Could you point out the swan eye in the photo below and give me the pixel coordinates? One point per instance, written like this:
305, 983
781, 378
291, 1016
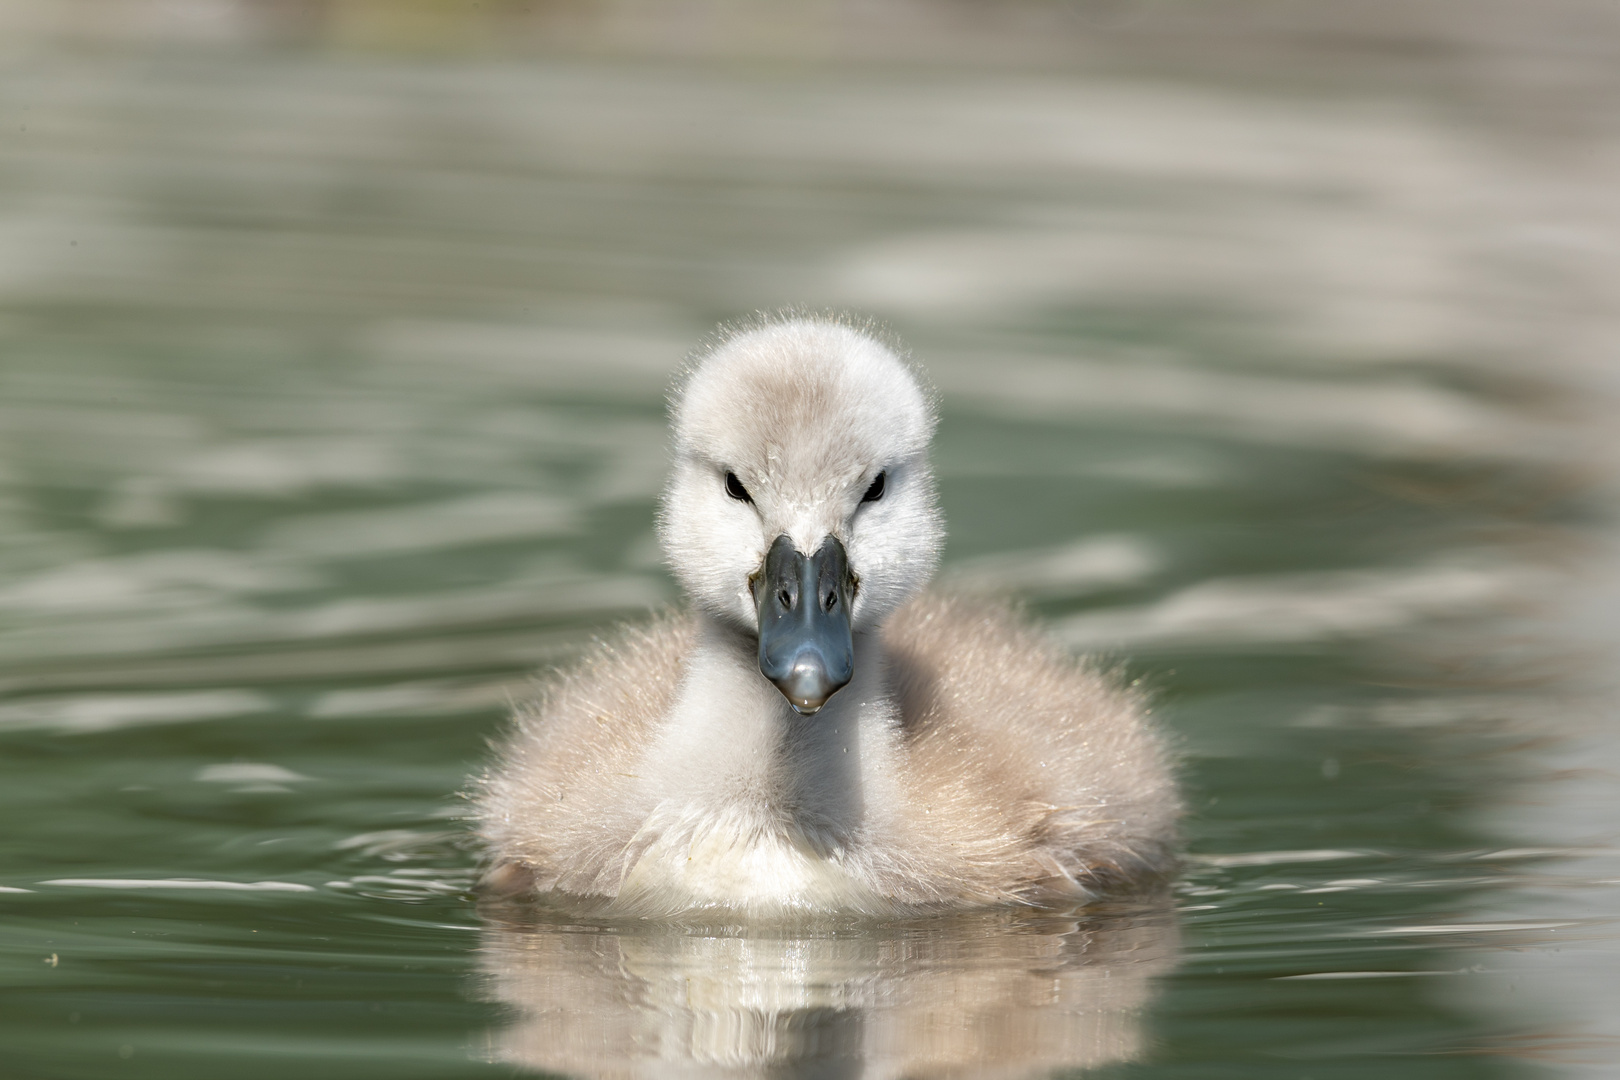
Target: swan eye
735, 489
875, 492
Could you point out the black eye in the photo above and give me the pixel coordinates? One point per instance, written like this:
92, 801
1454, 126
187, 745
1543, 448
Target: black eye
735, 489
875, 492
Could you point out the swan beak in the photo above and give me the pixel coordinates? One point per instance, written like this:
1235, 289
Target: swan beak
806, 646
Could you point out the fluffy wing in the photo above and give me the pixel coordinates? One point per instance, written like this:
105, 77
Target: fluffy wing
1056, 760
558, 807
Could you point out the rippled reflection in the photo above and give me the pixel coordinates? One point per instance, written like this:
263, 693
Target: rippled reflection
988, 995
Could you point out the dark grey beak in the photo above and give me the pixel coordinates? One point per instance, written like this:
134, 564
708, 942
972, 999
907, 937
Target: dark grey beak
805, 644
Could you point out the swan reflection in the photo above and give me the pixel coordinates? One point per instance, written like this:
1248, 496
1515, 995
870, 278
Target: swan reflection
987, 995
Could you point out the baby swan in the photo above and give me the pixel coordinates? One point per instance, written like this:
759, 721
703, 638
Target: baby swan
818, 735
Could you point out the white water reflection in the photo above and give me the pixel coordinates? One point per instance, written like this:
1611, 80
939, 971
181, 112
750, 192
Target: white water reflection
1072, 570
1298, 608
155, 581
549, 355
994, 995
477, 519
182, 884
81, 713
1377, 417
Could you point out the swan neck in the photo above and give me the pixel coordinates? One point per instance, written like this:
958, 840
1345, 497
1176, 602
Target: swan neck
731, 738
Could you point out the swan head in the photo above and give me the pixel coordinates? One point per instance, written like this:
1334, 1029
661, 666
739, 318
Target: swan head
801, 507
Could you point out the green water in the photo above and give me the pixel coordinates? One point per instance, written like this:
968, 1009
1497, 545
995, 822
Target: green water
331, 409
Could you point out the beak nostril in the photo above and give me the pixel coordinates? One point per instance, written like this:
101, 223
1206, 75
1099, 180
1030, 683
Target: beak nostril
786, 598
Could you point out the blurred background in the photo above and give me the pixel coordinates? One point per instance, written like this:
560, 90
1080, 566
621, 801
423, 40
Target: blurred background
1276, 342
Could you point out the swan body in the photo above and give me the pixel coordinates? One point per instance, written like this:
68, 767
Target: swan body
819, 734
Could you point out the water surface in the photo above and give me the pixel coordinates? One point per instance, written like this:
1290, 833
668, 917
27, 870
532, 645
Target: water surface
331, 410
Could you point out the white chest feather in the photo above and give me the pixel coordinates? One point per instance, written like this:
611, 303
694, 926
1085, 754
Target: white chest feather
754, 809
737, 860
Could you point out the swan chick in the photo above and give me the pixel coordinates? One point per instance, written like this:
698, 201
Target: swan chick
818, 733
